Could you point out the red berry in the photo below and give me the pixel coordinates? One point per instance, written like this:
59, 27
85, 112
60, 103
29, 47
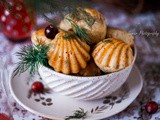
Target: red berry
4, 117
151, 107
51, 31
37, 87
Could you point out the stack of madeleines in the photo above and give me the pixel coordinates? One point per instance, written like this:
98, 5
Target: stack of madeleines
110, 49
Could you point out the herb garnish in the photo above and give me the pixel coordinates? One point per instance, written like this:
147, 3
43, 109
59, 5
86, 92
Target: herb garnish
80, 14
106, 40
31, 57
78, 114
82, 33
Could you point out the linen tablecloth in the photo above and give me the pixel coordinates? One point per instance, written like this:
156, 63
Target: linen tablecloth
146, 28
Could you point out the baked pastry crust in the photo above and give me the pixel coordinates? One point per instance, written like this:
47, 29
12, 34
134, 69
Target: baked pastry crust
68, 55
112, 55
91, 69
39, 37
121, 35
97, 31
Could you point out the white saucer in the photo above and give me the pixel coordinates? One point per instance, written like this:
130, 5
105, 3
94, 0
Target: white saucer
55, 106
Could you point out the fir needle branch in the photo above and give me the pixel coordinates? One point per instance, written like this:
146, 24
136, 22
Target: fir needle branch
78, 114
31, 57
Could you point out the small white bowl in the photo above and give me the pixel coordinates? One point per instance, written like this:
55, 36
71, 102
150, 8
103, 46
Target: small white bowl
85, 88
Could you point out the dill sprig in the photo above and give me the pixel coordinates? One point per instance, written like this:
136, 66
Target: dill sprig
80, 14
69, 36
75, 9
54, 10
107, 41
31, 57
78, 114
82, 33
49, 9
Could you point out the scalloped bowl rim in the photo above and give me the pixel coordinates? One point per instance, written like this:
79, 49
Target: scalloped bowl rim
92, 77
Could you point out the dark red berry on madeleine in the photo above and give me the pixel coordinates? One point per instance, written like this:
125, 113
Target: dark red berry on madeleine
51, 31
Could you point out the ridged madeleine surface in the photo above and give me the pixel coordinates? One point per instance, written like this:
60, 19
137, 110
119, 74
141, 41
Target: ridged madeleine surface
68, 55
39, 37
121, 35
111, 55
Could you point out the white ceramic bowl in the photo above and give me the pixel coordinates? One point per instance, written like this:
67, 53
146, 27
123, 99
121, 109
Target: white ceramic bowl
85, 88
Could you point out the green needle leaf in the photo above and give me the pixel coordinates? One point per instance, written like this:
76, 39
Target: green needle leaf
30, 58
78, 114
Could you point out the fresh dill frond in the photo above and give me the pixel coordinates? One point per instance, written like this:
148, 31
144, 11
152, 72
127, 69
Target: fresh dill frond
78, 114
108, 41
80, 14
49, 9
82, 33
69, 36
31, 57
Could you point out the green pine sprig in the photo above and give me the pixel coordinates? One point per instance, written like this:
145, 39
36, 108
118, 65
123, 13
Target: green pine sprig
31, 57
78, 114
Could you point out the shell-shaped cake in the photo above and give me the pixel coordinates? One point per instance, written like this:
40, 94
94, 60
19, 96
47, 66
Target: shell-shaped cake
91, 69
68, 55
120, 35
111, 55
39, 37
89, 19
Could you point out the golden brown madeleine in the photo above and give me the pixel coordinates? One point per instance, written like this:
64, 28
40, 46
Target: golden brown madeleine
121, 35
91, 69
111, 55
96, 27
39, 37
68, 55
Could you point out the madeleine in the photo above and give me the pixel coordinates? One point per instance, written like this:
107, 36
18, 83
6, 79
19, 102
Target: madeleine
39, 37
91, 20
91, 69
112, 55
68, 55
